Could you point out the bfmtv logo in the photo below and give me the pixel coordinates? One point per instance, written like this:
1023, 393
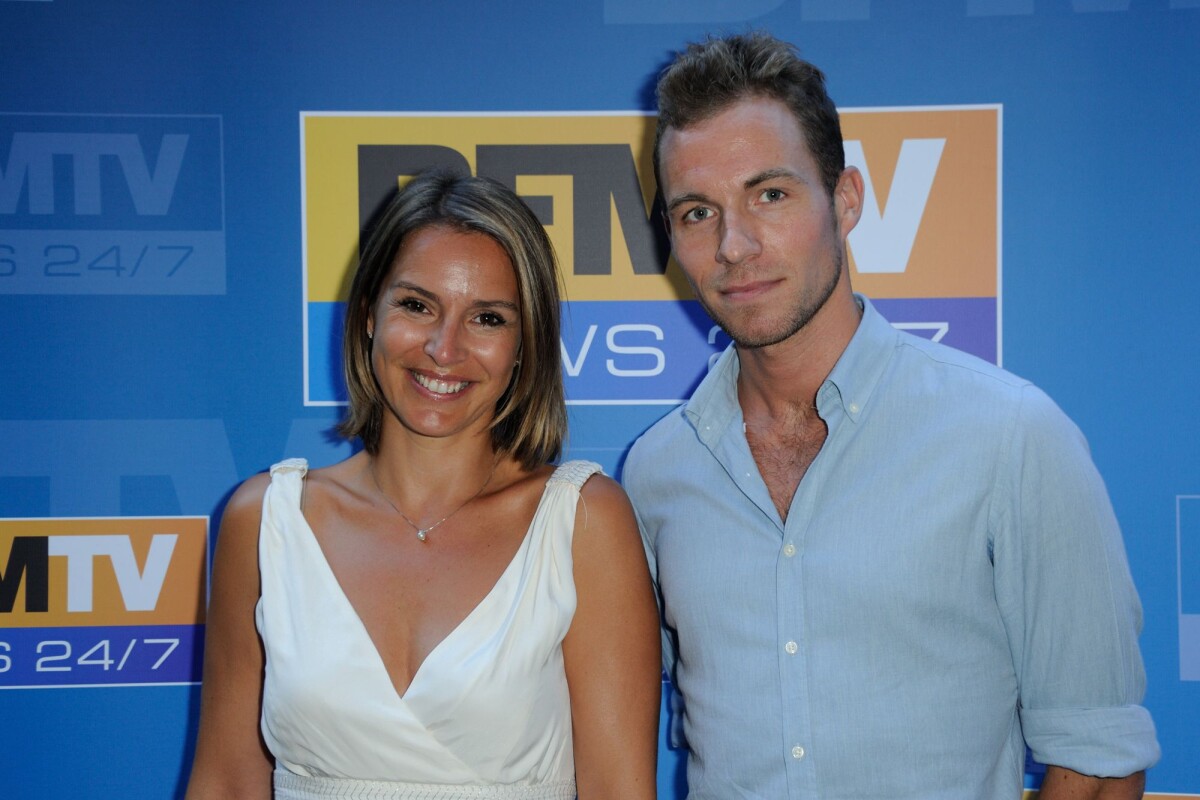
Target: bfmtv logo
927, 244
102, 601
111, 204
1187, 533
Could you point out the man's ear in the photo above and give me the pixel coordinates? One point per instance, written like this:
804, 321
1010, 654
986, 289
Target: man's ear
848, 199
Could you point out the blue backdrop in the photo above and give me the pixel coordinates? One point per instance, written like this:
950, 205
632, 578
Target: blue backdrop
155, 233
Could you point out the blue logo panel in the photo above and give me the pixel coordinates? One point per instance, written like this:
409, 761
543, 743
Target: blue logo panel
650, 352
644, 352
656, 352
114, 655
965, 323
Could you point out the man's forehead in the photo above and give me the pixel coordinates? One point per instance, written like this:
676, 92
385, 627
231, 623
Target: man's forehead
764, 115
745, 140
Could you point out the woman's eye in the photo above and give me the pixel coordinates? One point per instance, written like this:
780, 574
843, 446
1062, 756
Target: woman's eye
491, 319
411, 304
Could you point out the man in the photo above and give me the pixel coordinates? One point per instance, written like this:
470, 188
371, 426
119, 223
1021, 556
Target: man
885, 566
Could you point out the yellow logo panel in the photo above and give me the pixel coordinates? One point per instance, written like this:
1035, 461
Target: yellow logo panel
589, 177
931, 223
124, 571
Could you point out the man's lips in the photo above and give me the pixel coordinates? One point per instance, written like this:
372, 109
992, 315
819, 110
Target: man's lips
749, 290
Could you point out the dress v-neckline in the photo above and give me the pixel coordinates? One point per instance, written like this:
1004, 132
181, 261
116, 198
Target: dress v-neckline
340, 592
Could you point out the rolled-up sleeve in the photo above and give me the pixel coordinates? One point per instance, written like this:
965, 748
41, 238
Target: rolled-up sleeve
1067, 599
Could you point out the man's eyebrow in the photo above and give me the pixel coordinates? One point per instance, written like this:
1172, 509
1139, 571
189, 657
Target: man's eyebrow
691, 197
770, 175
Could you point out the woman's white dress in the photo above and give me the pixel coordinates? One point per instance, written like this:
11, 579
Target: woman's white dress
487, 715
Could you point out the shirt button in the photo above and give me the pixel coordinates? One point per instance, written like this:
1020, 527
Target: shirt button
797, 752
854, 408
791, 648
789, 549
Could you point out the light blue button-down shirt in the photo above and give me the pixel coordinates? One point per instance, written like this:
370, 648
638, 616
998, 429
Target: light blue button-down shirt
950, 584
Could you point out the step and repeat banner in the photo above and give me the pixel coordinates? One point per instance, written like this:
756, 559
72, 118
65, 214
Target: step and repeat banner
182, 188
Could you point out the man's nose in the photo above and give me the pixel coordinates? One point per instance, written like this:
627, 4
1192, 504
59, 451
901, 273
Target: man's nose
739, 240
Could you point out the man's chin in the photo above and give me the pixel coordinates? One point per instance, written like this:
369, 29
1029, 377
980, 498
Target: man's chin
756, 336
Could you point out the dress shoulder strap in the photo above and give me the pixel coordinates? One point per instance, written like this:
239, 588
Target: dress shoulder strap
575, 473
286, 490
290, 465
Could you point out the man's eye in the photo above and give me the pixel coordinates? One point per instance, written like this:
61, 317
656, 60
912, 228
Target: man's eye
698, 214
772, 195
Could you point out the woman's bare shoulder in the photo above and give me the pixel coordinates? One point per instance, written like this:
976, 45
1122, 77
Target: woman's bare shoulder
603, 496
245, 504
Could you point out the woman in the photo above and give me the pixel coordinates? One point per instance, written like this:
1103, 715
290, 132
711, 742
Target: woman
443, 614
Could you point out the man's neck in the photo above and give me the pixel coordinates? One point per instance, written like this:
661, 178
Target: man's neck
775, 380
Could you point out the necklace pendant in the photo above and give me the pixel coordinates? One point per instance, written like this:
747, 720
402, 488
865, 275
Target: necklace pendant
421, 533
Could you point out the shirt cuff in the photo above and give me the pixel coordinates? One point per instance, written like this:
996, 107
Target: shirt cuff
1101, 742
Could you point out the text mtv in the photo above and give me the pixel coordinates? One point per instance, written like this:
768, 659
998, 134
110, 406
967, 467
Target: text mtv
29, 558
31, 165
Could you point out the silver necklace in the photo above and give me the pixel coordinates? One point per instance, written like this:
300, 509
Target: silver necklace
422, 533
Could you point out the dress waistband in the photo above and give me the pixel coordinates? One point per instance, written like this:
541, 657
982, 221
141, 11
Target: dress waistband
290, 786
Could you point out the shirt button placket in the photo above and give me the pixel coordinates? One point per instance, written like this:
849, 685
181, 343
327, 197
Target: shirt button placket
792, 670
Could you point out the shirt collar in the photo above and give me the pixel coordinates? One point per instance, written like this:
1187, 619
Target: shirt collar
856, 373
714, 404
